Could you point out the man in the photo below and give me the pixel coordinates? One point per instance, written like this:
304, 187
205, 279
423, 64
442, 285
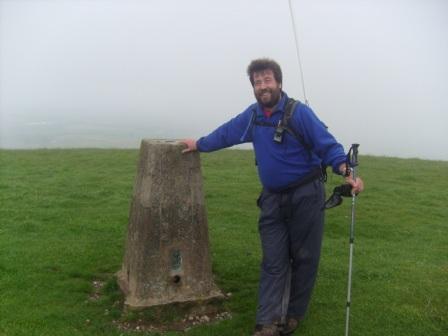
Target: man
292, 201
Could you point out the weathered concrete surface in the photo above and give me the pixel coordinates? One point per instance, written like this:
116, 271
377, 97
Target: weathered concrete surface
167, 255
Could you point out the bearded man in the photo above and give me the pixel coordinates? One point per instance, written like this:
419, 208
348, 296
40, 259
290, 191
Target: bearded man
292, 200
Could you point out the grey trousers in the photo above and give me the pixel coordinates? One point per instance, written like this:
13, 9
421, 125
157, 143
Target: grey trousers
291, 228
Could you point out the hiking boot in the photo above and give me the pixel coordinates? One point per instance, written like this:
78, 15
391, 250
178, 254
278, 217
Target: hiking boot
290, 326
266, 330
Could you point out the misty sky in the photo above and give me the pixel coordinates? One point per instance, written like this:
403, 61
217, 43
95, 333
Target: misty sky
107, 73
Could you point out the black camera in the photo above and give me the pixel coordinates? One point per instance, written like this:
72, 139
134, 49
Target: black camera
278, 133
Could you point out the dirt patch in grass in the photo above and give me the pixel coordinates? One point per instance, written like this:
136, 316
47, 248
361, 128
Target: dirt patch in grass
97, 286
183, 324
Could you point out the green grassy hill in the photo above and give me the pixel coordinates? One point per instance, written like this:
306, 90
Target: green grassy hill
63, 221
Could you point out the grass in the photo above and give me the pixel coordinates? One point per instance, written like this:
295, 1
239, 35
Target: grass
63, 221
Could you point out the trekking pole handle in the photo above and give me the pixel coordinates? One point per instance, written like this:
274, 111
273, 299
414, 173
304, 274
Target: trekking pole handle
353, 155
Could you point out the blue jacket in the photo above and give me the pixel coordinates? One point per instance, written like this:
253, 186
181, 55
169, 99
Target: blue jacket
279, 165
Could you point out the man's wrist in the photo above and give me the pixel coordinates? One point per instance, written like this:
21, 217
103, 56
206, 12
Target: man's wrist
345, 171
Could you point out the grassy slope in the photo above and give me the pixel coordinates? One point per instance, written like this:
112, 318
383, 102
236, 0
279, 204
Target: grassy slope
63, 219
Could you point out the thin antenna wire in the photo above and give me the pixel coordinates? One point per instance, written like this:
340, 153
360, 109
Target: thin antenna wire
298, 52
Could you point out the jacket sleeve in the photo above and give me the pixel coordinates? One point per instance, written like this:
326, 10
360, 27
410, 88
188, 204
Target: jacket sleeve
316, 134
228, 134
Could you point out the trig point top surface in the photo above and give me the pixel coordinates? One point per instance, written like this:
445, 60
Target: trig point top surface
162, 142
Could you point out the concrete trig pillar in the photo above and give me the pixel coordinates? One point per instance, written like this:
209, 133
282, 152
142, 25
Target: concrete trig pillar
167, 256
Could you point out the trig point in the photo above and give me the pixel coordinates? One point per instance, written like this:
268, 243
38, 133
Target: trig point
167, 258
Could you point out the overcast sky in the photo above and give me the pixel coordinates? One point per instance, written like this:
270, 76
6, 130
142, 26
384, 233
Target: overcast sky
107, 73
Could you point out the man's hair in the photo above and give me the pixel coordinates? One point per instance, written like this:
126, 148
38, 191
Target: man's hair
263, 64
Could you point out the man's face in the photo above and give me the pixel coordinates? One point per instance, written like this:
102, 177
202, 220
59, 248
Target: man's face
266, 89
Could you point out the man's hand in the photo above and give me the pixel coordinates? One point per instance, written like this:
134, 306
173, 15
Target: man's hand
357, 184
191, 145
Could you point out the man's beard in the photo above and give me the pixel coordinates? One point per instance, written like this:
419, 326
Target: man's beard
275, 98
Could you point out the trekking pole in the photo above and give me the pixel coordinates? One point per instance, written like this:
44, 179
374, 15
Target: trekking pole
352, 162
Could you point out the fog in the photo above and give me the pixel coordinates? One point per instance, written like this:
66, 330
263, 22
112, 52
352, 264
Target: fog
107, 73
